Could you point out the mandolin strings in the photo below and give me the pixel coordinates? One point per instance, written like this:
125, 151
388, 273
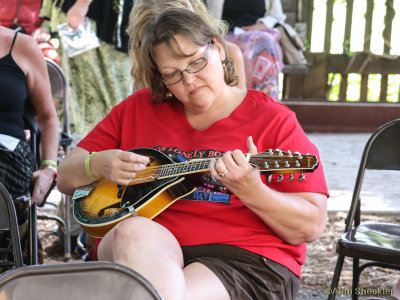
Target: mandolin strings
193, 166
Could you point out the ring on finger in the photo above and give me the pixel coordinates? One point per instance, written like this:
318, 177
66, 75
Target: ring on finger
223, 174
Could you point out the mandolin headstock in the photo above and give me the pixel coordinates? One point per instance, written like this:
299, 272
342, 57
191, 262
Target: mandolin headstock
280, 162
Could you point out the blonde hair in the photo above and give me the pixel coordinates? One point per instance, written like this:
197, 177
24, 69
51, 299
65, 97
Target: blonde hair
144, 12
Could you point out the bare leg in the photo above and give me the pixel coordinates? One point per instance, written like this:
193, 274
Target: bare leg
151, 250
203, 284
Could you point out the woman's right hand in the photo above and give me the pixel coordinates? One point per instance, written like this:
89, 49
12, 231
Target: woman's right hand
77, 13
117, 166
41, 34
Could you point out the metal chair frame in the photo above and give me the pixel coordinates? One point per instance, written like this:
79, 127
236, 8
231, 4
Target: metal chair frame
8, 222
359, 239
60, 90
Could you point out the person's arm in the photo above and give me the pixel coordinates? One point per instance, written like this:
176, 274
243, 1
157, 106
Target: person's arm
295, 217
236, 54
77, 169
42, 33
77, 13
274, 13
30, 59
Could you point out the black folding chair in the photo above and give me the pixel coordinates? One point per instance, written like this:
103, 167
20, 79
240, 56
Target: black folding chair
59, 91
10, 252
79, 281
60, 94
376, 242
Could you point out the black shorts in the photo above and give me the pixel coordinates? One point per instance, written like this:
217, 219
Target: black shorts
244, 274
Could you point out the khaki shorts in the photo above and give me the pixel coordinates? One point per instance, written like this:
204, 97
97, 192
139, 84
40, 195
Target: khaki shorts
244, 274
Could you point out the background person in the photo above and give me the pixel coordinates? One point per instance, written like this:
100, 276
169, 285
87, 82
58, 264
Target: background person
24, 13
252, 245
23, 16
257, 39
98, 78
23, 75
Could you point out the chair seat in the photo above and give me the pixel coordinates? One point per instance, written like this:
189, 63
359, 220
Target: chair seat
372, 241
78, 281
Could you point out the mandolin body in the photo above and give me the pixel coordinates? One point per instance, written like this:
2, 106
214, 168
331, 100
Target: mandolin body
108, 203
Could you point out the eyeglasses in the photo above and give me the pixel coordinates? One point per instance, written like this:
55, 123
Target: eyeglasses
194, 67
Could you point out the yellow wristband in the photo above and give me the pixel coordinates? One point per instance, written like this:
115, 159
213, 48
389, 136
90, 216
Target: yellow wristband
87, 166
48, 162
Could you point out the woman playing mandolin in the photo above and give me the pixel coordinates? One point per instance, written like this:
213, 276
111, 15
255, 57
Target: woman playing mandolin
240, 234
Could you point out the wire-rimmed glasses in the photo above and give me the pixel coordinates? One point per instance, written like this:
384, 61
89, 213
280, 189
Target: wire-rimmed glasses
194, 67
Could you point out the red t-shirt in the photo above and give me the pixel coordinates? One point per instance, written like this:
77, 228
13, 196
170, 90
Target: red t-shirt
28, 14
136, 122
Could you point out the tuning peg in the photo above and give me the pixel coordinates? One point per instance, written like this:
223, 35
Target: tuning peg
290, 177
270, 152
276, 164
280, 153
280, 178
266, 165
298, 155
270, 178
287, 164
302, 176
297, 164
289, 153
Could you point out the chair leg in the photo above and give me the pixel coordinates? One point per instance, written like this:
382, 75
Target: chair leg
336, 277
67, 236
33, 236
356, 278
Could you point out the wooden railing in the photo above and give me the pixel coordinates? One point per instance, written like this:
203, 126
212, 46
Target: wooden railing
315, 85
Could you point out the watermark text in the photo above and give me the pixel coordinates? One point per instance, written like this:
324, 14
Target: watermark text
359, 291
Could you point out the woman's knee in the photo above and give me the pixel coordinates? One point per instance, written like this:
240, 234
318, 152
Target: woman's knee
139, 234
141, 229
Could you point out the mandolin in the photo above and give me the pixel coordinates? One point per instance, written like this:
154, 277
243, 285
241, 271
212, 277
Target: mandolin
99, 206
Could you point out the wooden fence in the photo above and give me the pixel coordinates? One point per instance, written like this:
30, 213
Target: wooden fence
364, 62
305, 92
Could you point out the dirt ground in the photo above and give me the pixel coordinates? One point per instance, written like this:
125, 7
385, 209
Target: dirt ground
321, 259
316, 273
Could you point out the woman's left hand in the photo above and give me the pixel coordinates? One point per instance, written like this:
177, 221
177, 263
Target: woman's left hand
256, 26
77, 13
42, 180
234, 170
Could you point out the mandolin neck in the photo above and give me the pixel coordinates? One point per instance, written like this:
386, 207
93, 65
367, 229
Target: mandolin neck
270, 161
183, 168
